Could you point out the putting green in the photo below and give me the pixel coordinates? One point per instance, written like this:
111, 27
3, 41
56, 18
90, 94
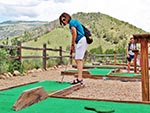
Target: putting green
9, 97
102, 66
72, 71
60, 105
97, 71
125, 74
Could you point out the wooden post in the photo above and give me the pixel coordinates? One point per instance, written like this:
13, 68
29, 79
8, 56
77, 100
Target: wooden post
115, 56
71, 58
90, 57
19, 53
44, 56
143, 39
60, 54
94, 57
135, 57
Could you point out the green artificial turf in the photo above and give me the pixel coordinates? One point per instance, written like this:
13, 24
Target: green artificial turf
125, 74
9, 97
60, 105
97, 71
73, 71
99, 109
101, 66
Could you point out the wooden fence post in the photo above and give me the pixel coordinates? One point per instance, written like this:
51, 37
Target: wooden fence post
71, 58
90, 55
19, 54
44, 56
144, 39
60, 54
115, 57
94, 57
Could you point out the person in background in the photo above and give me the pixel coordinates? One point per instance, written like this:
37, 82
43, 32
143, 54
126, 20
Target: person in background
78, 42
130, 55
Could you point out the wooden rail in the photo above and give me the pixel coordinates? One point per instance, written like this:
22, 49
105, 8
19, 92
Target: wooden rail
114, 57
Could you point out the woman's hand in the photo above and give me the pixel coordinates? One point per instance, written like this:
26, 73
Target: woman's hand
72, 49
128, 56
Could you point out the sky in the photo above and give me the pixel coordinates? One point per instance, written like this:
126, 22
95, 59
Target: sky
136, 12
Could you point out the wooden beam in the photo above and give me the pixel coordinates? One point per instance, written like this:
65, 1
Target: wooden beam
29, 97
67, 91
86, 74
143, 39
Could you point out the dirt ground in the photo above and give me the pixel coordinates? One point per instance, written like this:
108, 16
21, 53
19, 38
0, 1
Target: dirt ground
94, 88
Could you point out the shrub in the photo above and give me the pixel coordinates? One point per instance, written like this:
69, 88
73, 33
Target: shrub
31, 64
3, 61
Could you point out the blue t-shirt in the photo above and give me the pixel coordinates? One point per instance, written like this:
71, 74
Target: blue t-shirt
79, 28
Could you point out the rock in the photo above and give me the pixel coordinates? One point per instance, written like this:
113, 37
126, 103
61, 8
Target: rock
2, 77
39, 70
16, 73
6, 75
24, 74
34, 70
96, 63
10, 75
55, 67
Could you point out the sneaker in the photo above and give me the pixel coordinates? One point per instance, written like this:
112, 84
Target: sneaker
76, 81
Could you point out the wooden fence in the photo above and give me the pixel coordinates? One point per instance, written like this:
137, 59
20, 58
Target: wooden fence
44, 56
107, 58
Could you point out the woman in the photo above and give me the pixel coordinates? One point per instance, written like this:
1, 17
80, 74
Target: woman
130, 54
79, 40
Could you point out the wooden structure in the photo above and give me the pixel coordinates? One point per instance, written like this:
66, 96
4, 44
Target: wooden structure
67, 91
34, 95
30, 97
144, 39
86, 74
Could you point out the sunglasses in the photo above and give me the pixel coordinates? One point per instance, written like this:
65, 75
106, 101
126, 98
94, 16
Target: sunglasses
63, 20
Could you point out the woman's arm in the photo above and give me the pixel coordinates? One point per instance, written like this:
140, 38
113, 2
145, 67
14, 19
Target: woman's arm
74, 35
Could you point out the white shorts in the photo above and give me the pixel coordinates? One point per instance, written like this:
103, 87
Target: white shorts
80, 49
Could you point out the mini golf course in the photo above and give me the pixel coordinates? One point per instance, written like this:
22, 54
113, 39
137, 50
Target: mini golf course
110, 73
126, 74
65, 105
93, 71
9, 97
100, 72
89, 66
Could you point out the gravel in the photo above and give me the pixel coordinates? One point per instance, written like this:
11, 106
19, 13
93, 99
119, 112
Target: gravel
94, 88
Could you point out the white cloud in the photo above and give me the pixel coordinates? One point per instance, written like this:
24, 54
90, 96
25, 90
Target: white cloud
135, 12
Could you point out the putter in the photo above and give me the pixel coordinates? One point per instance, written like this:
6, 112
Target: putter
65, 69
63, 74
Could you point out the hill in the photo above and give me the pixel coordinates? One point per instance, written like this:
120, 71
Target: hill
108, 33
16, 28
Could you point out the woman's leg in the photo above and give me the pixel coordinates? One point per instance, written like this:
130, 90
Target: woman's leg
80, 69
79, 55
128, 67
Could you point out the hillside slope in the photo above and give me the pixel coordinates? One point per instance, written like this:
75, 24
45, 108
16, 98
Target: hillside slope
107, 32
16, 28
